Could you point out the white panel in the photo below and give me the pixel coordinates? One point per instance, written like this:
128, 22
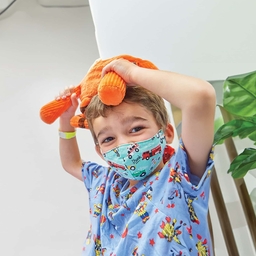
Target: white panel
63, 3
208, 39
4, 4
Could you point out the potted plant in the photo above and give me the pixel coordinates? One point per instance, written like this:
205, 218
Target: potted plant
239, 116
238, 110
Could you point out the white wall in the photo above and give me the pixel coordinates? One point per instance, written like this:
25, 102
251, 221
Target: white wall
43, 210
208, 39
42, 50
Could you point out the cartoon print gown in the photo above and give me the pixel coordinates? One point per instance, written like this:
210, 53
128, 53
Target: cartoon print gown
164, 214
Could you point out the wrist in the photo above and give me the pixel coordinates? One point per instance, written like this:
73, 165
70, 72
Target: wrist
67, 135
134, 74
65, 126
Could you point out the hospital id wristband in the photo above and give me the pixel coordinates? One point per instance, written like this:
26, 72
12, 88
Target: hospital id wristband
67, 135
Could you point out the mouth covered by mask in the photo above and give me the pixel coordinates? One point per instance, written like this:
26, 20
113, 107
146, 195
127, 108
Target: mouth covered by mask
137, 160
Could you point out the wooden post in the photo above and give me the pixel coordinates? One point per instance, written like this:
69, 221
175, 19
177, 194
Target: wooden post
243, 193
223, 216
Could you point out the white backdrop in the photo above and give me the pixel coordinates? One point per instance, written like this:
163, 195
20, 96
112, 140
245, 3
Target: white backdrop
208, 39
43, 210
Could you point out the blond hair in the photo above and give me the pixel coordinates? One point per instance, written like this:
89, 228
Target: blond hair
134, 94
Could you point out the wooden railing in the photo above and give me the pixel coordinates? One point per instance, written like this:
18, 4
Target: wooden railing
219, 202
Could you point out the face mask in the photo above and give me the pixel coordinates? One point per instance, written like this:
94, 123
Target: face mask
137, 160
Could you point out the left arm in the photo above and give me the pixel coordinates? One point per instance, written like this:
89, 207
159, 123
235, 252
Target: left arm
195, 97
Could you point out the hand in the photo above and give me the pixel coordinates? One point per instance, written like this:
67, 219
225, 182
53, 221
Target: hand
123, 68
69, 92
65, 93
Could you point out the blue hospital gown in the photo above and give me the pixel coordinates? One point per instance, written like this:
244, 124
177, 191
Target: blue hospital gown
164, 214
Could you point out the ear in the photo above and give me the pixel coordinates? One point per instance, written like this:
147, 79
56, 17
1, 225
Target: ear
97, 149
169, 133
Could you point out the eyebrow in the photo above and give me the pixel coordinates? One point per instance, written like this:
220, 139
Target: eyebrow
132, 119
102, 131
126, 121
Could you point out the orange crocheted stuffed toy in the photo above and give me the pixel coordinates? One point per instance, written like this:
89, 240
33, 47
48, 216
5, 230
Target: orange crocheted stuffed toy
110, 89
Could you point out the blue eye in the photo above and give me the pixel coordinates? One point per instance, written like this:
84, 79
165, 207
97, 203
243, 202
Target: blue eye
136, 129
108, 139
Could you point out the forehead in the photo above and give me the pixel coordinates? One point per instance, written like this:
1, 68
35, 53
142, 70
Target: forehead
128, 108
124, 113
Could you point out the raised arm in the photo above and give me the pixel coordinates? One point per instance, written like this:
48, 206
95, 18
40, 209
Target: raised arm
195, 97
68, 148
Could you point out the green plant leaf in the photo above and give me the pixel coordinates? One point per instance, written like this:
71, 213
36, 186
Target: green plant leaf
243, 163
230, 116
233, 128
239, 94
218, 123
239, 115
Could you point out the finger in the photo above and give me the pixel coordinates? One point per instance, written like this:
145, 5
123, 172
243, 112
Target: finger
74, 100
71, 88
57, 97
109, 67
60, 95
65, 93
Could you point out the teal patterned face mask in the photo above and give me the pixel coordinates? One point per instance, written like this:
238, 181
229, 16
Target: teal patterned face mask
137, 160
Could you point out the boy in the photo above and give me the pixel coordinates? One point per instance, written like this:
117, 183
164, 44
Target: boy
142, 205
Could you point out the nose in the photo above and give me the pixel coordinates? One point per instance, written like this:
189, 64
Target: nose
123, 139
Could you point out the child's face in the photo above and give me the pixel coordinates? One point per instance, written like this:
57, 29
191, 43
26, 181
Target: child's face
125, 123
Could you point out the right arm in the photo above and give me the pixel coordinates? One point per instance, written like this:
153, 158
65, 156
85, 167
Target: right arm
68, 148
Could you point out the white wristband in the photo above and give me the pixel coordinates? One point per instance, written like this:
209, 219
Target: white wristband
67, 135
